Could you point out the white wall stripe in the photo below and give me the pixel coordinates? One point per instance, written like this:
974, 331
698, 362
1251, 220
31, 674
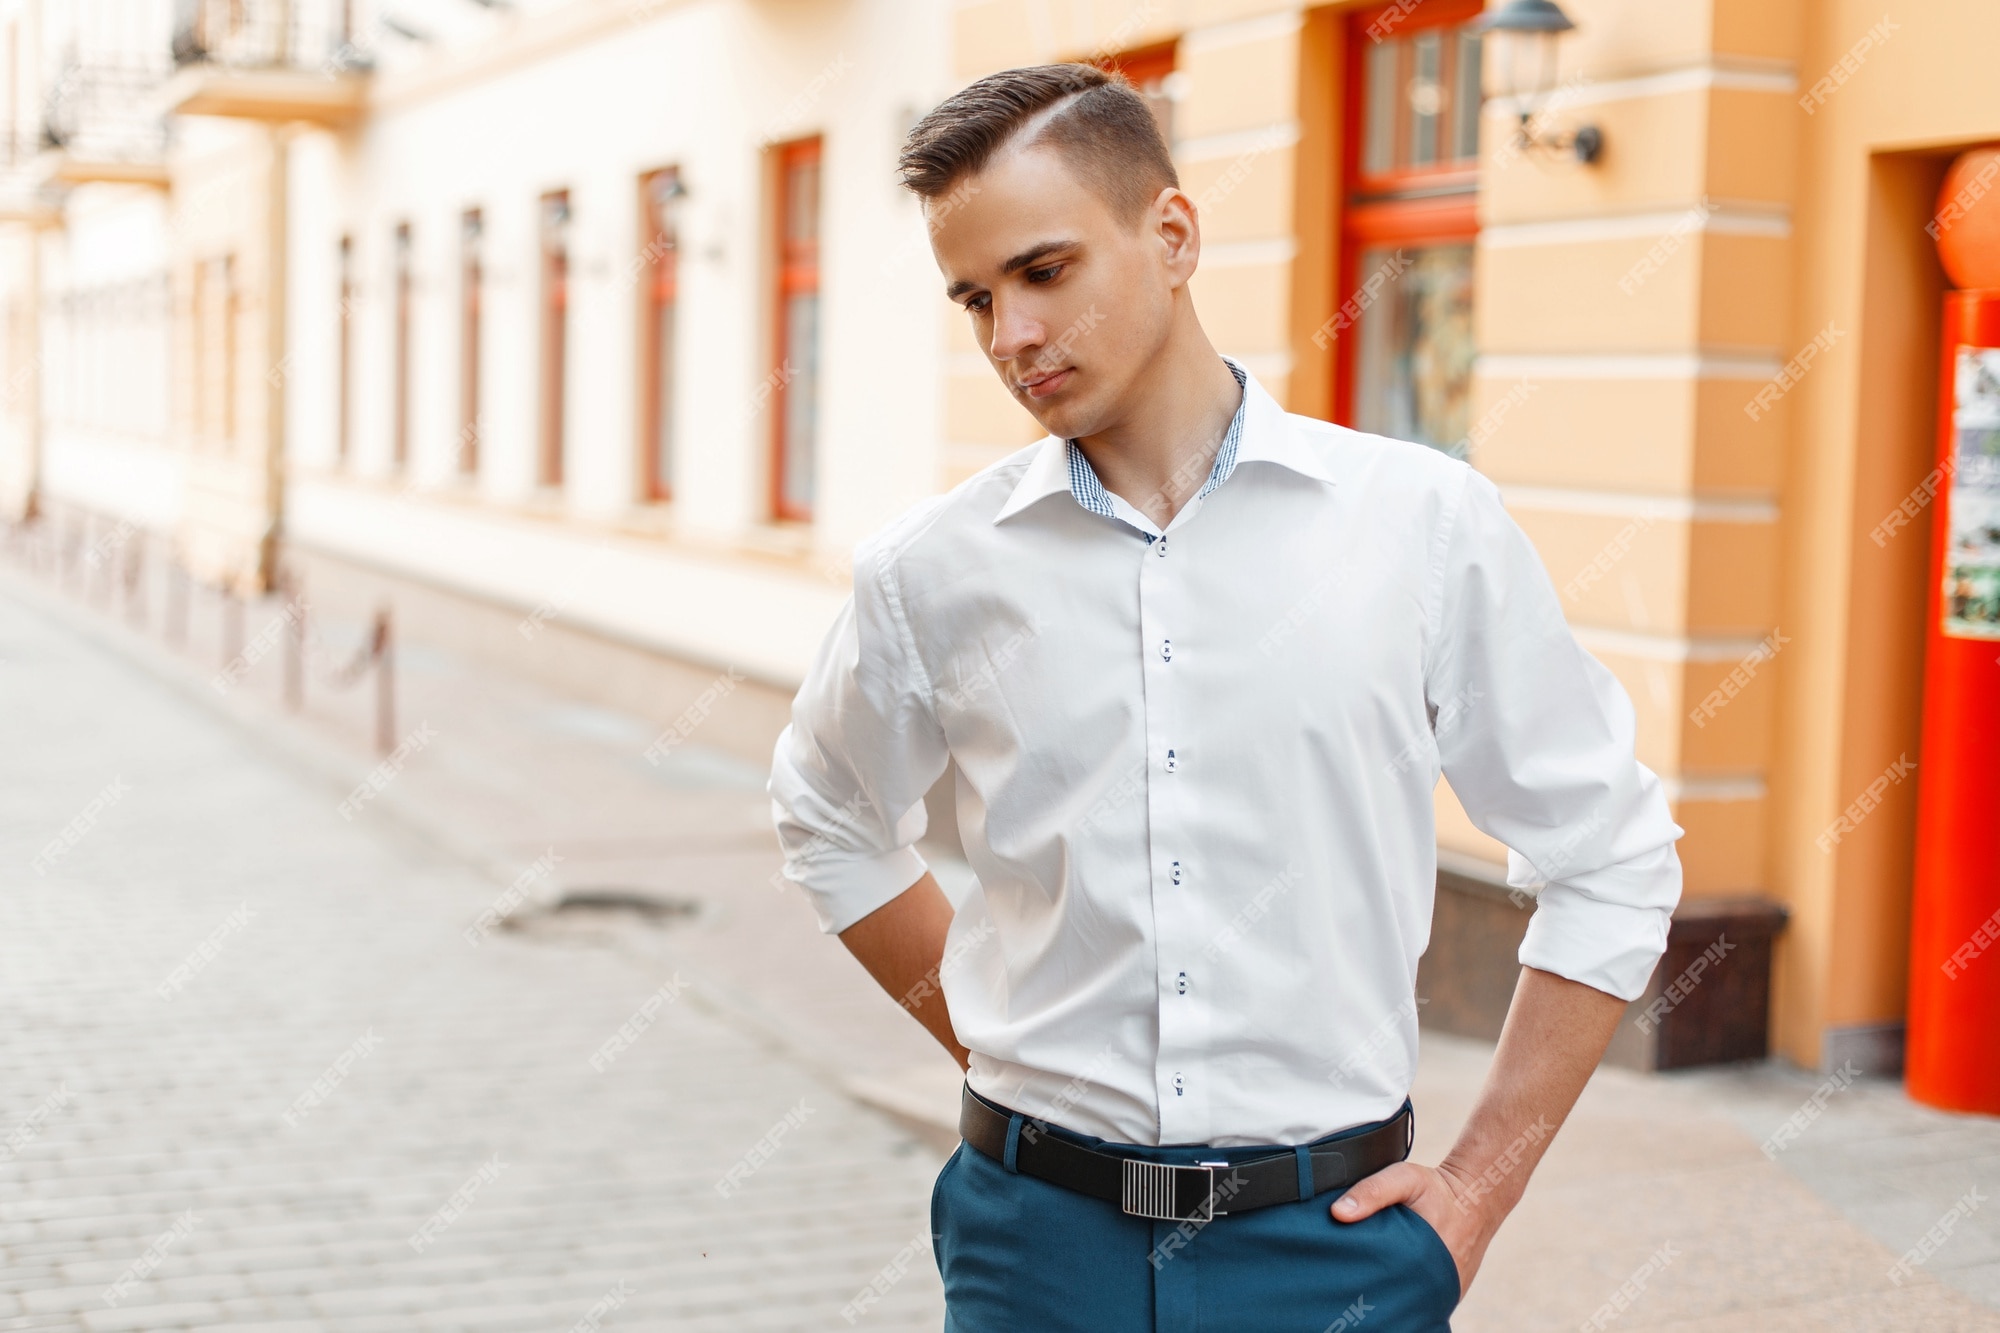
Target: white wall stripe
1262, 139
1665, 647
1244, 254
1627, 504
1750, 365
1689, 78
1716, 787
1241, 32
1775, 224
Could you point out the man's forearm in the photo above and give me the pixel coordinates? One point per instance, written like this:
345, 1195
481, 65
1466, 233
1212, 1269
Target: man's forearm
901, 943
1555, 1034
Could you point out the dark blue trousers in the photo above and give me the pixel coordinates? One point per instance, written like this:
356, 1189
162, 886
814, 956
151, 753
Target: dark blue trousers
1020, 1255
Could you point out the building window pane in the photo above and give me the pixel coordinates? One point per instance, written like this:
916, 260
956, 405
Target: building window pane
1378, 151
400, 428
554, 336
1465, 98
801, 409
1426, 99
344, 375
659, 193
471, 295
796, 429
1414, 371
215, 314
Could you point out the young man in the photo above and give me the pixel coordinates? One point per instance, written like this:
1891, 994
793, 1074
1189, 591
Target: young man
1199, 664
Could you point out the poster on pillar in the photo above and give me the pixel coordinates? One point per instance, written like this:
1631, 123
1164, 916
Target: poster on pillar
1972, 506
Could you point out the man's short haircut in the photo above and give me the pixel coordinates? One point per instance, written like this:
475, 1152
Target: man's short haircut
1096, 120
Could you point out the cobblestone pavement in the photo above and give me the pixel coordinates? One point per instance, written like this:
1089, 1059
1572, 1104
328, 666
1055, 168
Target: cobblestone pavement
253, 1074
1655, 1208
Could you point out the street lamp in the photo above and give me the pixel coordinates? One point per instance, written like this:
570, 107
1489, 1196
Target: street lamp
668, 196
1524, 36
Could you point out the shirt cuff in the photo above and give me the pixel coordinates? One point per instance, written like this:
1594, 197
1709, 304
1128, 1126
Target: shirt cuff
1612, 947
843, 887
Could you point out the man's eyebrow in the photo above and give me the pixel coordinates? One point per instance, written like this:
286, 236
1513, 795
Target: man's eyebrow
1034, 252
1038, 251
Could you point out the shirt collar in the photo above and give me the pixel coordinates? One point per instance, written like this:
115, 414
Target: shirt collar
1259, 432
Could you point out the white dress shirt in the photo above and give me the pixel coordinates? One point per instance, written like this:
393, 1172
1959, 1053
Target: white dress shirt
1195, 773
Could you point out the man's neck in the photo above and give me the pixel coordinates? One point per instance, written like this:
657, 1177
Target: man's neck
1158, 455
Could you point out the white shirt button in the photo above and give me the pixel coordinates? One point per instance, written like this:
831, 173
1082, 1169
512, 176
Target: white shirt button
1166, 650
1180, 984
1172, 763
1177, 872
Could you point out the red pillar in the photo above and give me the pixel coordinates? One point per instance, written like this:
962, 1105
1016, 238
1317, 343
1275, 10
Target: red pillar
1953, 1051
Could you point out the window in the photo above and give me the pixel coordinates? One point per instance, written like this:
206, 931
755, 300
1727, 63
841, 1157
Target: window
555, 336
344, 375
400, 428
1403, 330
215, 309
795, 381
471, 290
658, 269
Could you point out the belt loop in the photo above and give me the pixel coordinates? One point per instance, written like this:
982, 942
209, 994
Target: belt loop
1010, 1159
1305, 1157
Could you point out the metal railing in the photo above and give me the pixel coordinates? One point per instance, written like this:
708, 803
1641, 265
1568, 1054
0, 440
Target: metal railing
104, 112
115, 566
315, 35
104, 59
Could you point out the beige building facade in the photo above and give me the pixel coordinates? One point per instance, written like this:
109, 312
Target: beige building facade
1701, 366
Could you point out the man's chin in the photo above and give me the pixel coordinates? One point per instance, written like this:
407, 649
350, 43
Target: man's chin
1065, 420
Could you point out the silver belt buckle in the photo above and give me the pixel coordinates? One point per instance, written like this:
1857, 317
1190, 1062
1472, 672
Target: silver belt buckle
1152, 1189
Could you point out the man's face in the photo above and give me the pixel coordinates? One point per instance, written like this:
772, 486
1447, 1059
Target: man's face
1069, 301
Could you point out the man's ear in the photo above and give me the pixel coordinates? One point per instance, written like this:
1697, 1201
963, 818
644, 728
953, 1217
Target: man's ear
1172, 218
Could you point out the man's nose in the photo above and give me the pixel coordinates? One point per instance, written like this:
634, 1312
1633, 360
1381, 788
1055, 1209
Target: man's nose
1016, 335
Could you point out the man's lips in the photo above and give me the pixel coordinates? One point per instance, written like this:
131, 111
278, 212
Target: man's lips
1041, 386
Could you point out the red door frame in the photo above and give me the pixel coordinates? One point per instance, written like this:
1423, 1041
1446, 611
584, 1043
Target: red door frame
1371, 211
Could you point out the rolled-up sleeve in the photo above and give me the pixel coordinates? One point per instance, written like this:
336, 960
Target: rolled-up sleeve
1536, 737
850, 772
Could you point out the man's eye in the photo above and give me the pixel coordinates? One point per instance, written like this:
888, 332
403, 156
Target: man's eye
1044, 274
977, 304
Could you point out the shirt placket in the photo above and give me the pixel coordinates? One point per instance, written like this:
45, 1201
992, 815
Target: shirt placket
1180, 1082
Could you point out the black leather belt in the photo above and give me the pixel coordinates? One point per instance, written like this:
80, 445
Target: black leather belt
1167, 1192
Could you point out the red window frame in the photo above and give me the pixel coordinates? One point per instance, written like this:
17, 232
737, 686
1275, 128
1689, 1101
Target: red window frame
658, 297
1406, 205
797, 275
554, 369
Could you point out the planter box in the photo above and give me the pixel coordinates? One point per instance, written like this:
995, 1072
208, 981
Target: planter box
1709, 1001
